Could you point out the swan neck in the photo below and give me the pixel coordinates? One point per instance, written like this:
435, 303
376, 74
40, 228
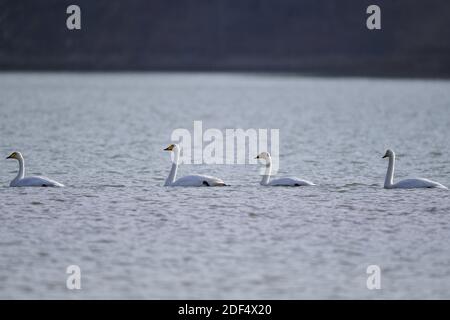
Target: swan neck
21, 173
389, 181
173, 171
267, 172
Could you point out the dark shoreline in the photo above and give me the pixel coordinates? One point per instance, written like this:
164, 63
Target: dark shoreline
280, 73
306, 37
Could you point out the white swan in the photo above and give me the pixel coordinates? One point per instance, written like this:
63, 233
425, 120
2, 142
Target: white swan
188, 181
407, 183
293, 182
34, 181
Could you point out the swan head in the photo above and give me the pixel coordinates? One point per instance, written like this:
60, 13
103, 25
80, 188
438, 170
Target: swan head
15, 155
172, 147
263, 155
389, 153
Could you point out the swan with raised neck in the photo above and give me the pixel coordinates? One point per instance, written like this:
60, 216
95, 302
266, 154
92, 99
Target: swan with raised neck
33, 181
266, 177
191, 180
407, 183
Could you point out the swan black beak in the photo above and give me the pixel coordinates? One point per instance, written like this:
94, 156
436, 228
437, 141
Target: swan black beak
385, 156
257, 157
9, 157
169, 148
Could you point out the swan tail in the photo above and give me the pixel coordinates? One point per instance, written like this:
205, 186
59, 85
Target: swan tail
216, 184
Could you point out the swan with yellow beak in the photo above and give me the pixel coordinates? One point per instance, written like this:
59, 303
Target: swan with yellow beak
285, 182
191, 180
33, 181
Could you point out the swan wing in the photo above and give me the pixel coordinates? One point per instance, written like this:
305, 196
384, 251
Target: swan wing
199, 181
294, 182
36, 181
418, 183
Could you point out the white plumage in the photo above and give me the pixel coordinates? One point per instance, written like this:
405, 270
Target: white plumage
288, 182
191, 180
294, 182
33, 181
198, 181
407, 183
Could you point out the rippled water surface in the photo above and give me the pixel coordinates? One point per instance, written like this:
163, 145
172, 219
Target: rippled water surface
102, 135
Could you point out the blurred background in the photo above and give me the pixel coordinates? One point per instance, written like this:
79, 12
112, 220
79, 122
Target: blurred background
324, 37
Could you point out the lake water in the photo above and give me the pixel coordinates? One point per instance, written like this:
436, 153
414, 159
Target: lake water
102, 135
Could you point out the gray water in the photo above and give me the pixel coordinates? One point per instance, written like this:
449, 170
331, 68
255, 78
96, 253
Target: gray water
102, 135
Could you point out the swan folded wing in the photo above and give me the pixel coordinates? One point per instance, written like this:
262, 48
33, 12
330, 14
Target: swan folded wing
417, 183
36, 181
199, 181
294, 182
